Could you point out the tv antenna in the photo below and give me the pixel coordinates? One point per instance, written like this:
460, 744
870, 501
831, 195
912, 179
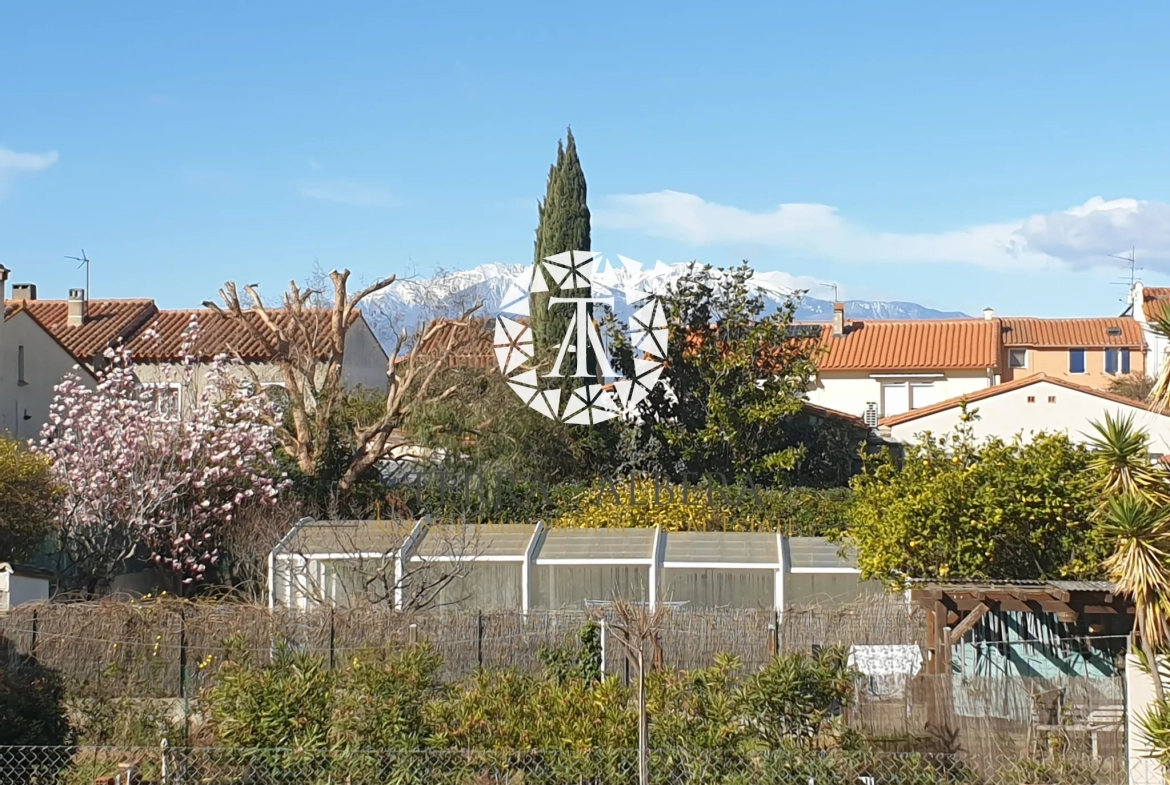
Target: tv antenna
1131, 263
832, 286
84, 262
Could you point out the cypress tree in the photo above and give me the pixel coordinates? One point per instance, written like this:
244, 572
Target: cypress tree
563, 226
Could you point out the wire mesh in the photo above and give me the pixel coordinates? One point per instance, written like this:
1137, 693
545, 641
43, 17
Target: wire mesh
355, 766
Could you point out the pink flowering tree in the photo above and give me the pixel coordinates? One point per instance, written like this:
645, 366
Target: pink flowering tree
143, 479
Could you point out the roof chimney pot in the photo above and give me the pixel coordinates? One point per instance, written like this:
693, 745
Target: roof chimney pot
24, 291
77, 307
988, 313
838, 319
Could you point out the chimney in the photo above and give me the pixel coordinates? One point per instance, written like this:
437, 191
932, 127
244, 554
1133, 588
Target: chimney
3, 284
76, 307
24, 291
988, 313
838, 319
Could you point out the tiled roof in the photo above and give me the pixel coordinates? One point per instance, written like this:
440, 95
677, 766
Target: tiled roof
825, 412
472, 343
220, 334
1155, 300
999, 389
926, 345
107, 322
1072, 333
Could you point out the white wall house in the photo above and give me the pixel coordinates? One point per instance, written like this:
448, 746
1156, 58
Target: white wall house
1145, 303
46, 339
1030, 405
878, 369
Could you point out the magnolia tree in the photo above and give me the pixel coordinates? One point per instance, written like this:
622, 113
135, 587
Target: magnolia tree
145, 479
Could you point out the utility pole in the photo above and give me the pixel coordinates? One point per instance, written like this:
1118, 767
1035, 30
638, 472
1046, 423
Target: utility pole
84, 260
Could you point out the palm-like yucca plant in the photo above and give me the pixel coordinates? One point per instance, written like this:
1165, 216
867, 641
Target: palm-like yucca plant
1140, 566
1121, 456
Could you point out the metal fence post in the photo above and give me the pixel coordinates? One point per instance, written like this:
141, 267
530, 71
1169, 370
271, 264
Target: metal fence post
479, 638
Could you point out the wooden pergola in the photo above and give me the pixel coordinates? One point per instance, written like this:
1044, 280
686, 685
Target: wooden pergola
953, 610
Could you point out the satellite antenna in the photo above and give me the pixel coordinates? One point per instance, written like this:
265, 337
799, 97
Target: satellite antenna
84, 260
832, 286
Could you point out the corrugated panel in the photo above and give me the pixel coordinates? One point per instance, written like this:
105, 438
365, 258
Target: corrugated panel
597, 544
722, 547
471, 541
562, 587
1072, 333
349, 537
710, 588
812, 552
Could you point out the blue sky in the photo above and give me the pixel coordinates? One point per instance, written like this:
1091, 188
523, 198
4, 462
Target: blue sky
988, 155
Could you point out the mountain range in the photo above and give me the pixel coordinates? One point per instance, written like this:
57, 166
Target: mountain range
410, 303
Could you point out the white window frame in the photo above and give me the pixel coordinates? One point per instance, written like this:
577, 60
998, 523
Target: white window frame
1084, 358
1024, 365
178, 388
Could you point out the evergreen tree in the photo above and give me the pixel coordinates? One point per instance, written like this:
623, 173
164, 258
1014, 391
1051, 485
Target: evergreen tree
564, 226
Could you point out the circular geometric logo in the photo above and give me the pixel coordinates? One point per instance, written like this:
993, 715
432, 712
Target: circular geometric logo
605, 394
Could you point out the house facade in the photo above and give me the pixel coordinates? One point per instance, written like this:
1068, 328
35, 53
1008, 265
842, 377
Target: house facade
43, 340
1029, 405
1088, 352
46, 339
882, 369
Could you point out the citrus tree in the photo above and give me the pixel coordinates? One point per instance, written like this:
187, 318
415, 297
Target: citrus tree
959, 508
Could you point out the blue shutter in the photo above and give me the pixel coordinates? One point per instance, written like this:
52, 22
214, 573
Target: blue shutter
1111, 361
1076, 360
1125, 361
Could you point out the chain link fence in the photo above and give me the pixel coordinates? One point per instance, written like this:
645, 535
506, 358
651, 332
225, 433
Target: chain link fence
215, 766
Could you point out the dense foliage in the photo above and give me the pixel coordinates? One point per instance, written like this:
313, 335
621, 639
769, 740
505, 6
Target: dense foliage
734, 384
564, 225
29, 495
958, 508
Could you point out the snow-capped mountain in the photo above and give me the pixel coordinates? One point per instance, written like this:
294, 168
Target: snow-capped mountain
408, 304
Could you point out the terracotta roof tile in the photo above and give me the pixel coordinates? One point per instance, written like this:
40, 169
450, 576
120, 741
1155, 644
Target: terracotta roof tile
219, 334
1155, 300
1072, 333
472, 344
998, 389
107, 322
926, 345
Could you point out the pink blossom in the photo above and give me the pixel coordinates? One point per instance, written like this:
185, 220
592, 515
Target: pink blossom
139, 481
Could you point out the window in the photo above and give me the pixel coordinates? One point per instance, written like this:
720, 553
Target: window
1052, 399
20, 366
1076, 360
922, 394
1017, 358
1117, 361
1031, 399
166, 399
895, 399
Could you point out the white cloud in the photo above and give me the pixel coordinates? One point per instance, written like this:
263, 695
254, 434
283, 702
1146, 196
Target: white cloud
349, 193
13, 163
1080, 237
314, 166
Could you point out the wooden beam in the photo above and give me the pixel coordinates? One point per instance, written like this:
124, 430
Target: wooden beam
969, 623
1107, 610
